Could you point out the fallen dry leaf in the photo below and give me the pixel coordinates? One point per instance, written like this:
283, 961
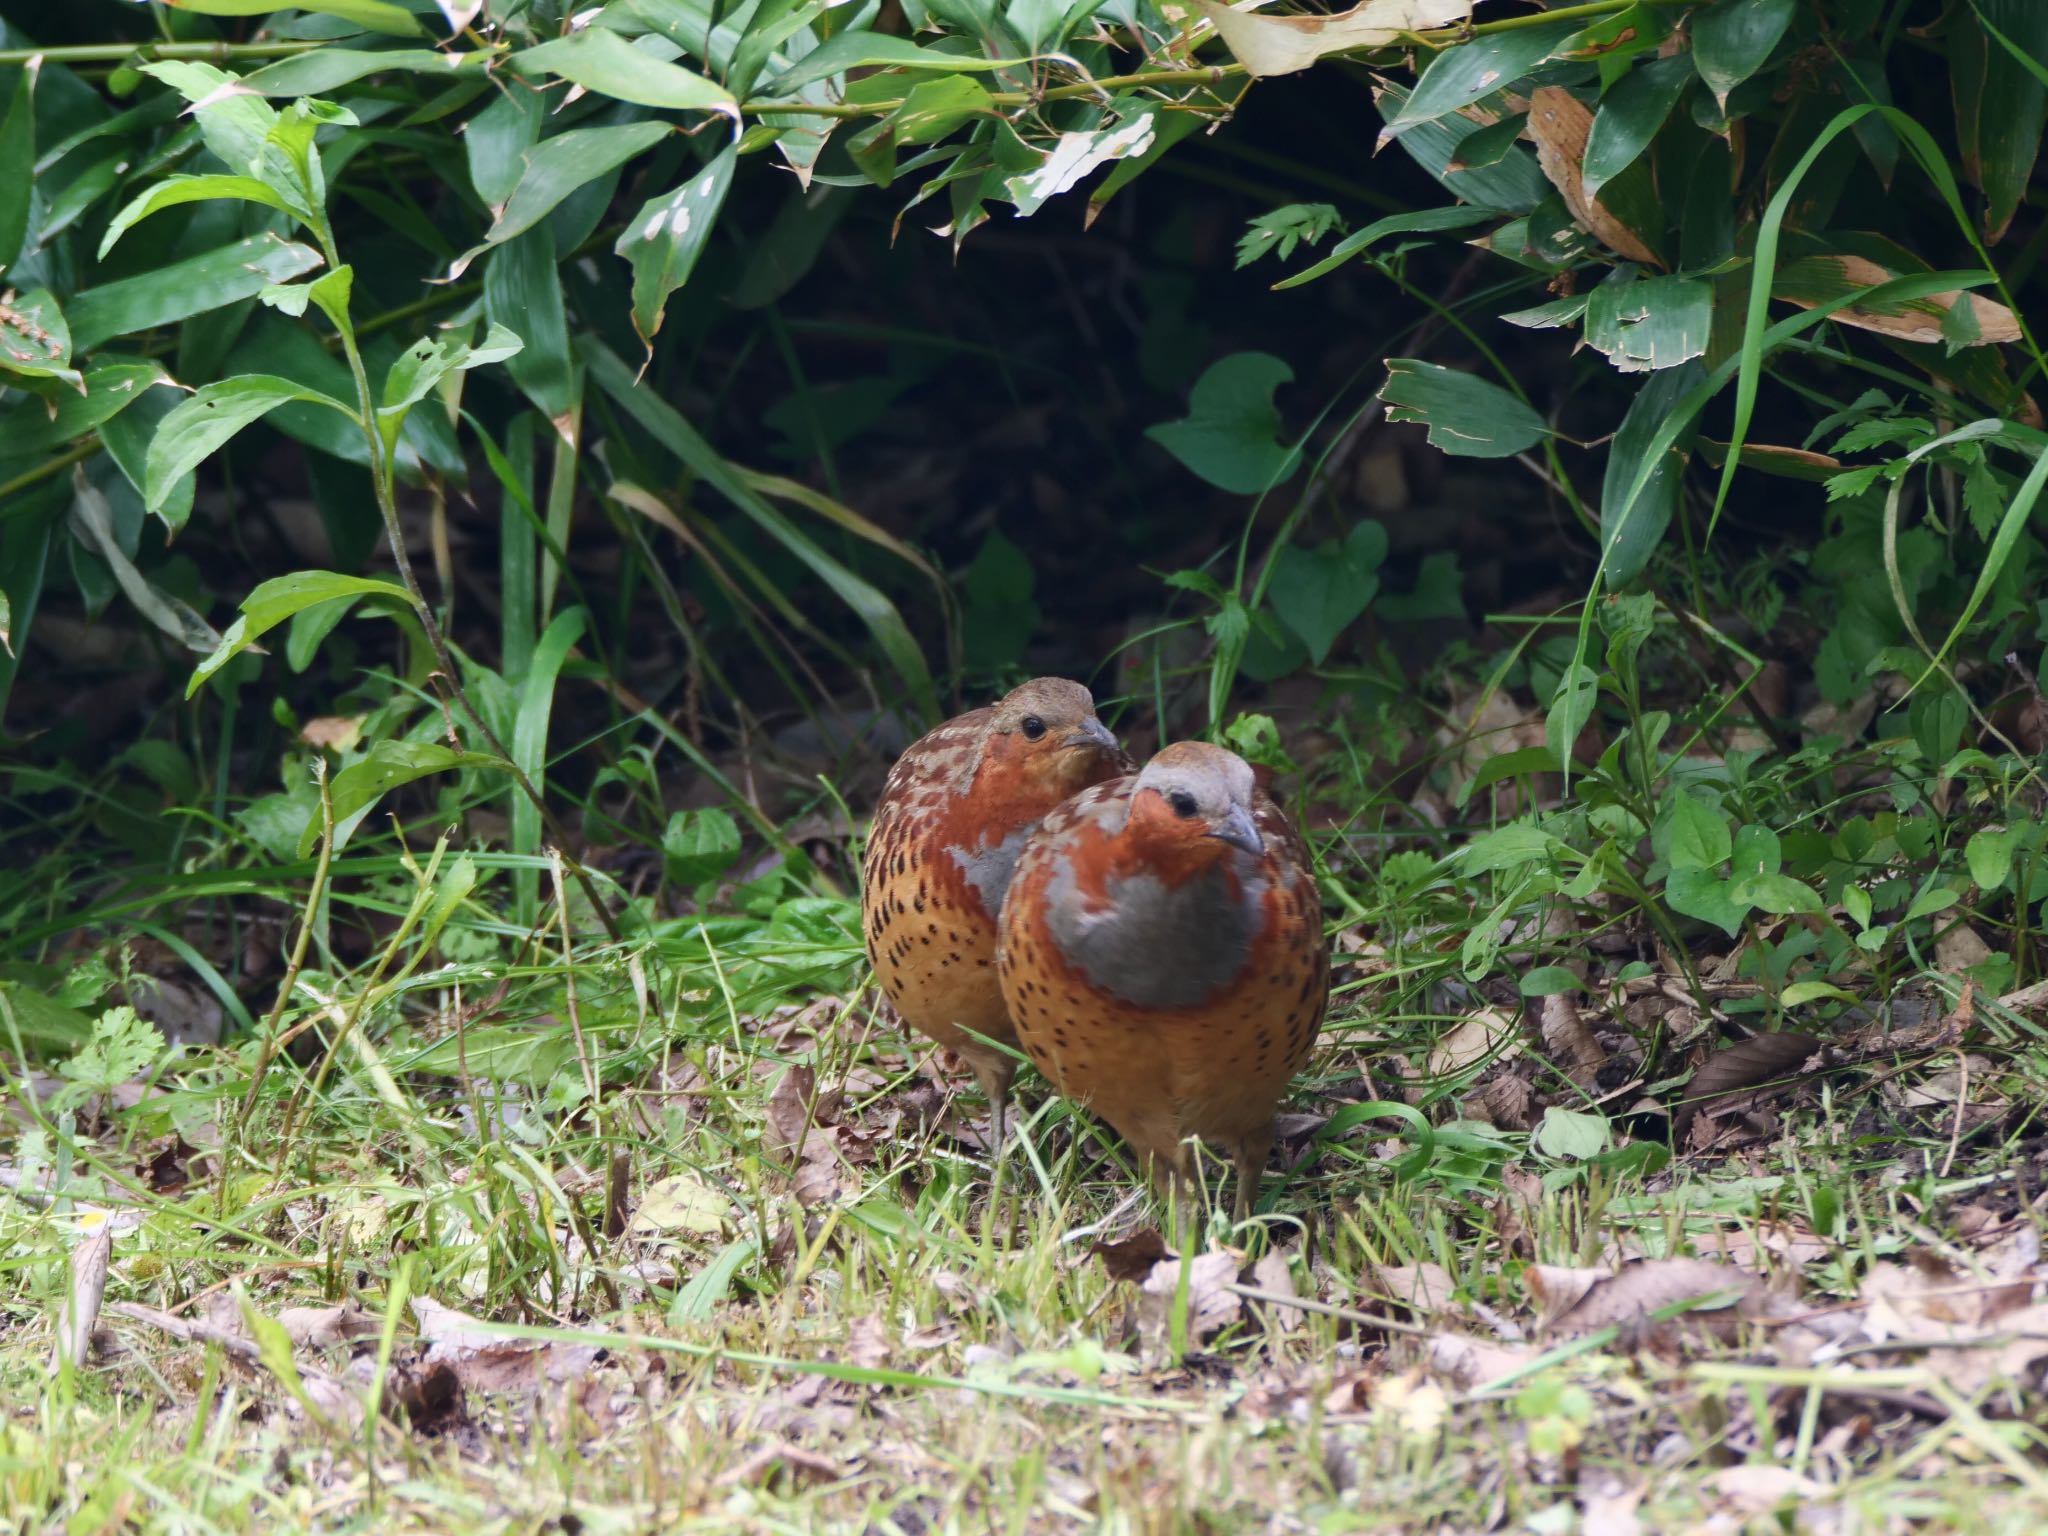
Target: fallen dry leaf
89, 1261
1280, 45
1425, 1287
1576, 1301
487, 1359
681, 1203
1559, 123
1212, 1304
325, 1327
1132, 1258
1762, 1059
1960, 948
1470, 1040
1468, 1362
1570, 1038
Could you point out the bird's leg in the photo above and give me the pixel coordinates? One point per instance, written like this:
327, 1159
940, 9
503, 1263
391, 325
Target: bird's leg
1250, 1154
995, 1075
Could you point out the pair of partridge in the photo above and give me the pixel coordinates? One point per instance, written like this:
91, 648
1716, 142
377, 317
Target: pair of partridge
1152, 939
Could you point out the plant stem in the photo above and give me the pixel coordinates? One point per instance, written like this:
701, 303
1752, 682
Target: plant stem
84, 448
382, 482
120, 53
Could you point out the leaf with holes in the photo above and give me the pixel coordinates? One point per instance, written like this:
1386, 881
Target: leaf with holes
1466, 416
1230, 435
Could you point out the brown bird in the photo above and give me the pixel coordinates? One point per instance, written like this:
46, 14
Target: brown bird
1163, 959
954, 814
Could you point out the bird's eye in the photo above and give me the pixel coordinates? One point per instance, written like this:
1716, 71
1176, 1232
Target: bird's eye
1033, 727
1182, 802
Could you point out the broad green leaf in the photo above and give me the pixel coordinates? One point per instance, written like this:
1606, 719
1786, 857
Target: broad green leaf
1705, 895
17, 152
667, 236
1459, 76
186, 288
173, 190
388, 765
1803, 992
1856, 903
530, 745
1318, 593
1506, 847
1629, 117
523, 287
35, 340
110, 389
931, 110
1229, 436
1936, 898
1757, 851
1466, 415
1699, 837
2001, 96
234, 121
1515, 184
1570, 1133
1652, 323
1778, 894
1989, 855
329, 292
323, 69
1422, 221
274, 601
676, 435
602, 61
200, 425
558, 166
1547, 981
425, 363
375, 15
499, 1053
861, 49
699, 845
92, 520
1571, 710
1631, 539
1731, 39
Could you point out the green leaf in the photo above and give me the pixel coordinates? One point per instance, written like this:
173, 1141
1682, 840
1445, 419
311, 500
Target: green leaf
1318, 593
35, 340
1630, 539
1699, 837
2001, 96
174, 190
276, 600
92, 520
110, 389
1571, 710
668, 428
1779, 894
1731, 39
1630, 115
17, 152
1459, 76
1652, 323
1507, 847
375, 15
1547, 981
234, 122
1571, 1134
600, 60
200, 425
1514, 185
529, 748
1989, 855
931, 110
387, 766
861, 49
1421, 221
698, 846
186, 288
667, 236
330, 292
558, 166
324, 69
1229, 436
1802, 992
1466, 415
1856, 903
425, 363
1936, 898
1705, 895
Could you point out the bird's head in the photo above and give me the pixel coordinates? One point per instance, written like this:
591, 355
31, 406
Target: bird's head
1192, 804
1046, 736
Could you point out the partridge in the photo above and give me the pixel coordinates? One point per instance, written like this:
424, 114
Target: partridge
1163, 960
954, 814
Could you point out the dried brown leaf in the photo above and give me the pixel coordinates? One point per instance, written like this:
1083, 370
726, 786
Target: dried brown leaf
1570, 1039
1472, 1039
1745, 1064
325, 1327
1212, 1304
1994, 321
487, 1359
81, 1312
1426, 1287
1651, 1285
1280, 45
1560, 123
1132, 1258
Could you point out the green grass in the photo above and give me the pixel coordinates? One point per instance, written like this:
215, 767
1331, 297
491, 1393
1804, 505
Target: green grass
823, 1313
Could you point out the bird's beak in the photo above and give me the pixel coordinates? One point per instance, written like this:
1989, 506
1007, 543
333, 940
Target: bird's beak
1238, 830
1091, 733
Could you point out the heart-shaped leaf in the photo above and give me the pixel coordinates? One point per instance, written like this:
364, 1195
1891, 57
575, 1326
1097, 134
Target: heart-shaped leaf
1229, 435
1318, 592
